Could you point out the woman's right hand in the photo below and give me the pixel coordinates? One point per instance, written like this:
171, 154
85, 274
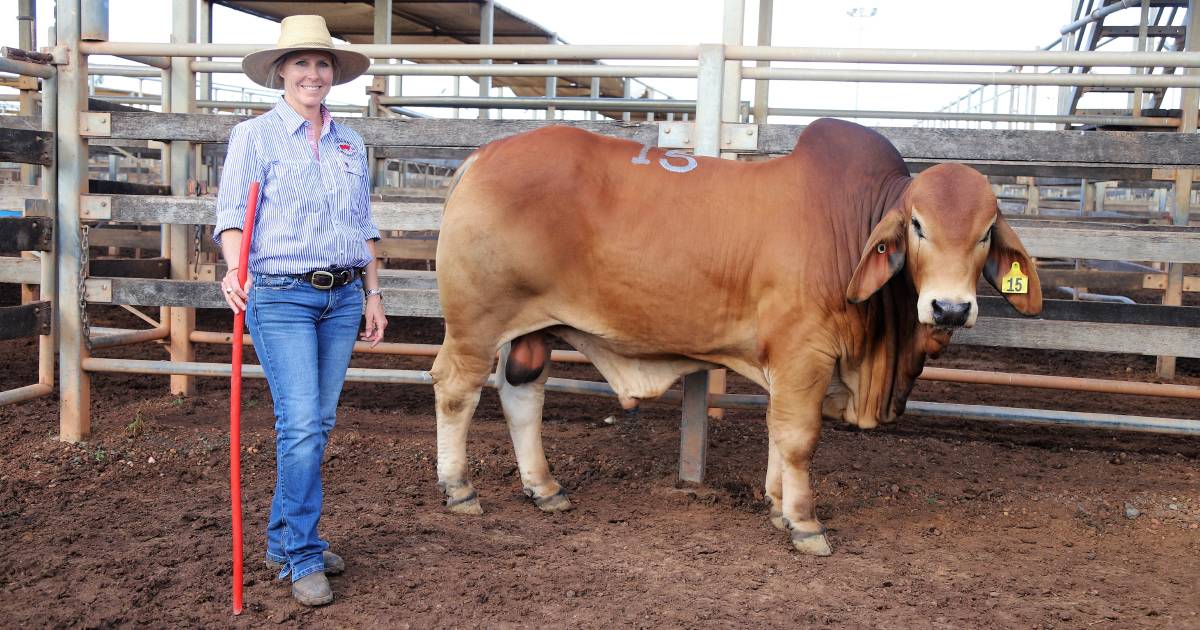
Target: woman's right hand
236, 297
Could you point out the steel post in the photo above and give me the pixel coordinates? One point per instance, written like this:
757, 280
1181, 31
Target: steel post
27, 39
626, 94
733, 27
183, 97
382, 35
708, 100
48, 344
594, 93
762, 89
693, 429
487, 16
551, 82
1189, 103
75, 383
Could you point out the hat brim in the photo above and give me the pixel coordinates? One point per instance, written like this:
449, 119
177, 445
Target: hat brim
350, 65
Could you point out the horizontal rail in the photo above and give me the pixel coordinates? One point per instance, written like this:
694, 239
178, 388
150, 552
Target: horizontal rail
1050, 58
1069, 383
205, 294
973, 78
1136, 121
1115, 422
1106, 241
1062, 334
1091, 150
123, 71
726, 401
410, 51
1043, 239
742, 53
20, 270
28, 392
541, 102
947, 375
111, 338
494, 70
156, 209
1044, 334
399, 349
26, 68
208, 104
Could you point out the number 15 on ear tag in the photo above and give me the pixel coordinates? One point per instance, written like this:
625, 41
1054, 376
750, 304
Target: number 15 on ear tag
1014, 281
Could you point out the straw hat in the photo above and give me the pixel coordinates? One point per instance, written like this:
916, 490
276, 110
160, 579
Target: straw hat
303, 32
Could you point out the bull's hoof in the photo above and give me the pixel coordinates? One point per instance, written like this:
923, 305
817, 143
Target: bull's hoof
777, 520
466, 505
461, 499
557, 502
814, 544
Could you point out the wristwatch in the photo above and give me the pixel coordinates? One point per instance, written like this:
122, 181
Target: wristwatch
369, 292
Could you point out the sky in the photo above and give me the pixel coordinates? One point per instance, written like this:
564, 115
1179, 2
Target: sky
941, 24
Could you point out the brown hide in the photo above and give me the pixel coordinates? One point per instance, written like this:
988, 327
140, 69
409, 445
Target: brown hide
742, 264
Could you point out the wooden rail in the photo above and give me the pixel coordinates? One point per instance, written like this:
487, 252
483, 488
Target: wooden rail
1042, 238
1094, 154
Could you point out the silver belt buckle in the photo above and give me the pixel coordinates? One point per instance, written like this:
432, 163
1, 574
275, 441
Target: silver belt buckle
322, 279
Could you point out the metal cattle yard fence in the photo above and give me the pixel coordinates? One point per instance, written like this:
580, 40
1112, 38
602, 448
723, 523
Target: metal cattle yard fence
61, 220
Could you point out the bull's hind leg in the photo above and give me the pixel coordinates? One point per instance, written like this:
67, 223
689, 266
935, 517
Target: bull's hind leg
522, 377
459, 374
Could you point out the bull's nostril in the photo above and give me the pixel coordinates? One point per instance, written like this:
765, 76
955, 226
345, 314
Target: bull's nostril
946, 313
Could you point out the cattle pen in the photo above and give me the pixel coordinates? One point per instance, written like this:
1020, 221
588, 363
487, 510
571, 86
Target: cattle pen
113, 271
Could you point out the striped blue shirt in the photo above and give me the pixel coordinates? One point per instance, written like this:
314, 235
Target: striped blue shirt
312, 213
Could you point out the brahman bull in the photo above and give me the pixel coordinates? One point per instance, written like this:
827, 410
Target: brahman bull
824, 276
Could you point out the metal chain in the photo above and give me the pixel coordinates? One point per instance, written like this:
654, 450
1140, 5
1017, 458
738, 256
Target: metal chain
199, 232
83, 274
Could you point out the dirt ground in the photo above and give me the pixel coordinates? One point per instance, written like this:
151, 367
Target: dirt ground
935, 523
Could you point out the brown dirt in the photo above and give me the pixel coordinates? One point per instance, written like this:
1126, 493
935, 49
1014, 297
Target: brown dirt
935, 523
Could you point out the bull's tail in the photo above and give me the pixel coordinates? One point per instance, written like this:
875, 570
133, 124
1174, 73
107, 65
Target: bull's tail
458, 175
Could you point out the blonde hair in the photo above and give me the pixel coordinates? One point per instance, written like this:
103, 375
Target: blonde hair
275, 82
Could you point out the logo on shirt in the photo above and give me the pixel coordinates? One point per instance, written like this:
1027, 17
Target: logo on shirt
346, 149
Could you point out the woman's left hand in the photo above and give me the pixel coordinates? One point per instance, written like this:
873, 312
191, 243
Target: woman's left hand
376, 320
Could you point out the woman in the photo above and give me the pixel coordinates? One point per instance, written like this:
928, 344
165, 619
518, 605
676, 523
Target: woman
311, 259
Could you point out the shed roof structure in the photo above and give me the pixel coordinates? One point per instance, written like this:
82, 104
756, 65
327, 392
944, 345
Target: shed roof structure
435, 22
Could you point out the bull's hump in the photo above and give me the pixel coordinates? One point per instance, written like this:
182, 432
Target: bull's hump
832, 141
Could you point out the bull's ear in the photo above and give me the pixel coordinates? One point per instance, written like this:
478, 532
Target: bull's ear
1006, 263
882, 258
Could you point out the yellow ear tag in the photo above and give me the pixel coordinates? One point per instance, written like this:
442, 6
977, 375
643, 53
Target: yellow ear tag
1014, 281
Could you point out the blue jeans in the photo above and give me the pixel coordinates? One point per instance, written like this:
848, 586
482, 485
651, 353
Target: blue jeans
303, 337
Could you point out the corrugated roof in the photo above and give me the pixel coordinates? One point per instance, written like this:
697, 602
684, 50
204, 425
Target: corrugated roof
432, 22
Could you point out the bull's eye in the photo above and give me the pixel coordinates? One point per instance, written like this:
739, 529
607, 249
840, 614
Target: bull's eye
917, 228
881, 248
987, 236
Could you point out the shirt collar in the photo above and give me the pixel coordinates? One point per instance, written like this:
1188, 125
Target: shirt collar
292, 120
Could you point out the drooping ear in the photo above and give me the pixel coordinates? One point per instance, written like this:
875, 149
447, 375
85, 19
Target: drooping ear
882, 258
1006, 262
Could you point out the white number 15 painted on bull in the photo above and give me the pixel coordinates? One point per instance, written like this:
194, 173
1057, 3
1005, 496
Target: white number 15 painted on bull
689, 161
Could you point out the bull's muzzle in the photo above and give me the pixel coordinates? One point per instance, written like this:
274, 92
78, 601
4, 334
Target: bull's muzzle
947, 313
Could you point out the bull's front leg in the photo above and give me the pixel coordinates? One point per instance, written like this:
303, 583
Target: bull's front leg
794, 425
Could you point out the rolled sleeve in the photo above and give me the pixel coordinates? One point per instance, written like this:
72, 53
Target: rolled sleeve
241, 168
362, 210
366, 227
